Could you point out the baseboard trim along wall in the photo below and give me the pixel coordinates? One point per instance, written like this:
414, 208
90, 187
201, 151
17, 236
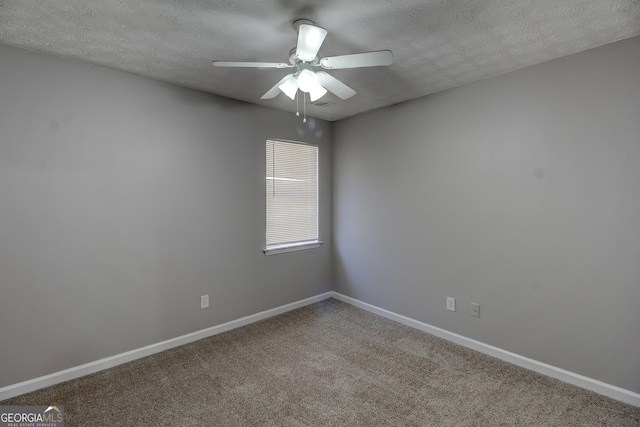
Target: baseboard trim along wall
600, 387
109, 362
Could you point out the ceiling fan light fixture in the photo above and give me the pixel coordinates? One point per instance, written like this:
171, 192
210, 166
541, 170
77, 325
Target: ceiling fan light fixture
304, 58
289, 87
307, 81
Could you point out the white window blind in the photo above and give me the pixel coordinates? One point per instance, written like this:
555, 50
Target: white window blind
292, 194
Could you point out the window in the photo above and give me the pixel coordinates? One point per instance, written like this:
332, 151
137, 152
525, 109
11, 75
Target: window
292, 196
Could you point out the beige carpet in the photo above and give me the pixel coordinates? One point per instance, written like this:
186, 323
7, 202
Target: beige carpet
328, 364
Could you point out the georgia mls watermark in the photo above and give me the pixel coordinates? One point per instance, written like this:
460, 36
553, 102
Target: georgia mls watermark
32, 416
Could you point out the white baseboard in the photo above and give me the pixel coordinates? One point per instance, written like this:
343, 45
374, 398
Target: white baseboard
109, 362
599, 387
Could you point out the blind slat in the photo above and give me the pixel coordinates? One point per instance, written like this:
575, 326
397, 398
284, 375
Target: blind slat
292, 192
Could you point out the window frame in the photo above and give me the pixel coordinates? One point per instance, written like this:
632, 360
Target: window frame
285, 247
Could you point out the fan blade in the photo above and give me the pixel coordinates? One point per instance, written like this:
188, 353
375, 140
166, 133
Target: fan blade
310, 39
368, 59
335, 86
251, 64
275, 90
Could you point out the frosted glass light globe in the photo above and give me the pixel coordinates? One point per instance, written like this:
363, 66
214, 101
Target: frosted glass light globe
307, 81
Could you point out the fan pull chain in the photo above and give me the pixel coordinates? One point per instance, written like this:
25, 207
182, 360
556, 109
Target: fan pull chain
304, 106
297, 105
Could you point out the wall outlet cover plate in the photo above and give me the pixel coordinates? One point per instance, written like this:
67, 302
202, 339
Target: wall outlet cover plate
451, 304
204, 301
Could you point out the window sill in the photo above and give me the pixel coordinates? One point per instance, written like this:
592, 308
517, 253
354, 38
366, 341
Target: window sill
290, 247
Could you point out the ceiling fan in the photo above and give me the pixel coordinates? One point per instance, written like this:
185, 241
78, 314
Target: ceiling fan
304, 58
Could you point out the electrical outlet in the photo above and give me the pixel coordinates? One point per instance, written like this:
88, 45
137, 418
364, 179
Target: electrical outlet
475, 309
451, 304
204, 301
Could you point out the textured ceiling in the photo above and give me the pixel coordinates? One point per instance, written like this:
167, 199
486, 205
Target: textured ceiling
437, 44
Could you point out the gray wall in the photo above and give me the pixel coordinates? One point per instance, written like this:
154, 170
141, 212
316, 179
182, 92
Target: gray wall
122, 200
519, 192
